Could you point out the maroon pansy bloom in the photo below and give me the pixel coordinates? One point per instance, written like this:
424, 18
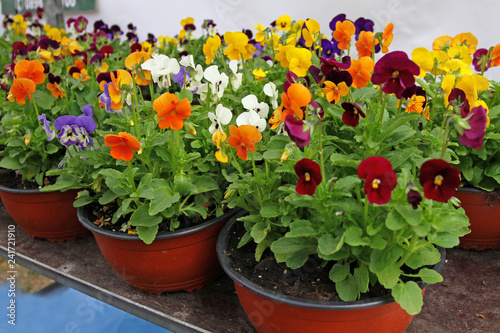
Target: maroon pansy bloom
396, 72
480, 59
295, 129
379, 178
413, 196
457, 98
439, 179
351, 114
309, 174
474, 136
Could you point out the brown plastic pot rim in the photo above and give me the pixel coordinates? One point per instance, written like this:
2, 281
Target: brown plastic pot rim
82, 217
237, 277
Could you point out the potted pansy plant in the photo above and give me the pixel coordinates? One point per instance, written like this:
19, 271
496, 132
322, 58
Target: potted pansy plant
153, 183
47, 77
347, 189
471, 101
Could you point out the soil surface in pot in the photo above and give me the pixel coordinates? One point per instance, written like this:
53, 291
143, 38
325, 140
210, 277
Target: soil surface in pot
101, 216
311, 281
10, 179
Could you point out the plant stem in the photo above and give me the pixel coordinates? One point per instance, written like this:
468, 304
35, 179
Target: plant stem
321, 157
131, 175
382, 108
410, 250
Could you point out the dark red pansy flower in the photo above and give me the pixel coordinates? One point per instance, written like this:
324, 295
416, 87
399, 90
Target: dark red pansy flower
414, 198
439, 179
309, 174
396, 72
379, 178
474, 136
481, 59
295, 129
457, 98
352, 112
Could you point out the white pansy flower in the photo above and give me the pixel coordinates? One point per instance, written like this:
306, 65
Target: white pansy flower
271, 91
251, 118
222, 116
161, 67
218, 81
187, 61
251, 103
236, 78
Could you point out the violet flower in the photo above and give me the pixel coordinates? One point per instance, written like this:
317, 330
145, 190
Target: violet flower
46, 126
474, 136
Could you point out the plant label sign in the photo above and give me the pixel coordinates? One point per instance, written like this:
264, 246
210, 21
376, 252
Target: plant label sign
20, 6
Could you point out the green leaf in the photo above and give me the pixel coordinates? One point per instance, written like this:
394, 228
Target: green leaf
427, 255
328, 245
107, 197
409, 296
410, 215
270, 209
205, 184
386, 257
111, 173
260, 231
301, 228
147, 234
394, 220
389, 276
9, 163
164, 197
297, 259
362, 278
284, 247
339, 272
347, 288
141, 217
430, 276
116, 186
353, 236
82, 199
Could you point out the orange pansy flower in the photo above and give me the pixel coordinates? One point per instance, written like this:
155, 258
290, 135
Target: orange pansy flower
243, 138
122, 145
495, 56
387, 37
296, 97
30, 69
21, 88
441, 42
360, 71
133, 62
334, 91
171, 111
343, 33
121, 78
415, 104
366, 43
55, 90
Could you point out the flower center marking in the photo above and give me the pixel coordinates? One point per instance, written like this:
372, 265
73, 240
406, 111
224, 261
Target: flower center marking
438, 180
375, 183
307, 177
395, 74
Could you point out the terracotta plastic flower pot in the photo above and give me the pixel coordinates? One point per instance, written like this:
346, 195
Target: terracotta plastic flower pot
44, 215
184, 259
272, 312
483, 210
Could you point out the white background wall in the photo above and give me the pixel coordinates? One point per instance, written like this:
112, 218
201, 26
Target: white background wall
417, 22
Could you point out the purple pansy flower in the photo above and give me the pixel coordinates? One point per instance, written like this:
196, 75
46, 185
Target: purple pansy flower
46, 126
75, 130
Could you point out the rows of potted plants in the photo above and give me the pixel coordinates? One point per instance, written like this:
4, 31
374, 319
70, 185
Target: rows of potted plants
329, 166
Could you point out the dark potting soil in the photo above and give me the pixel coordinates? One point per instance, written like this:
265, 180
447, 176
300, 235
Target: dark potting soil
311, 281
101, 216
10, 179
